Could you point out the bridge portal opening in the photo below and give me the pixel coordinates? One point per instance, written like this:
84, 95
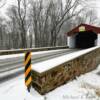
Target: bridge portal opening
85, 39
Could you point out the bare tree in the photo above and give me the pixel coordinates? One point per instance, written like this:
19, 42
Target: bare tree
88, 16
3, 35
2, 3
22, 13
19, 25
13, 27
92, 16
49, 18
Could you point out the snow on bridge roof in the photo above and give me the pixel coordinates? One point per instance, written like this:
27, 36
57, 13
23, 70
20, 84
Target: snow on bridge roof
86, 28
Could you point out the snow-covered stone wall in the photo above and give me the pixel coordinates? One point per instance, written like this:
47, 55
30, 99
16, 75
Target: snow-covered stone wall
52, 78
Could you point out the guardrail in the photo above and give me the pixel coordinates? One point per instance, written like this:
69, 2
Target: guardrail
7, 52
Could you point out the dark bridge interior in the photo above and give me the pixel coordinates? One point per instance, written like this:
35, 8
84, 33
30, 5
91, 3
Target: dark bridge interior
85, 39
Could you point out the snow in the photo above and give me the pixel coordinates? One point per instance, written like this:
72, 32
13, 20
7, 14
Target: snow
34, 53
16, 90
83, 88
98, 42
51, 63
11, 72
13, 57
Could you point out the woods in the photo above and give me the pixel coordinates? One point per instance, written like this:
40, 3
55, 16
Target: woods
42, 23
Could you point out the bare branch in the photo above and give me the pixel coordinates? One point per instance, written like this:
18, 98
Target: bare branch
2, 3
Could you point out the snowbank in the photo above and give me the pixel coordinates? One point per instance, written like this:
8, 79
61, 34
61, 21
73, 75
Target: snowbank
83, 88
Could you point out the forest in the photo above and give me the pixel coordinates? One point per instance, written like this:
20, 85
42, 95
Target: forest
43, 23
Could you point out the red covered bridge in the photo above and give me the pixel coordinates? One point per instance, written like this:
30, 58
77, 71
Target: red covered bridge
83, 36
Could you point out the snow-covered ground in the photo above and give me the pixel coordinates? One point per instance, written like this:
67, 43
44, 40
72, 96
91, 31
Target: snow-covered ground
85, 87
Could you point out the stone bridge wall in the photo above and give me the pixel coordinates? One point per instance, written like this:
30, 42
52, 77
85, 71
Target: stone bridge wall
51, 79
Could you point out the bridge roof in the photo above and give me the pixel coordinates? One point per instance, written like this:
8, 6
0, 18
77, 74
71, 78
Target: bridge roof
85, 27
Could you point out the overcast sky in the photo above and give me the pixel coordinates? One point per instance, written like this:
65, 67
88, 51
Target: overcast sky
92, 4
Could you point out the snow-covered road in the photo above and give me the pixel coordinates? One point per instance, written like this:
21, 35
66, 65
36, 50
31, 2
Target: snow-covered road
11, 66
85, 87
16, 60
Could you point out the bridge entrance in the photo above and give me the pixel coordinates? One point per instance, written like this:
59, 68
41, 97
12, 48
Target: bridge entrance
83, 36
85, 39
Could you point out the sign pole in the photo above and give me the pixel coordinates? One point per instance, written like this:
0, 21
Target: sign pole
28, 78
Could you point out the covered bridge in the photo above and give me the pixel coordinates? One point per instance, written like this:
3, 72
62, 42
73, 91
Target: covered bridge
83, 36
